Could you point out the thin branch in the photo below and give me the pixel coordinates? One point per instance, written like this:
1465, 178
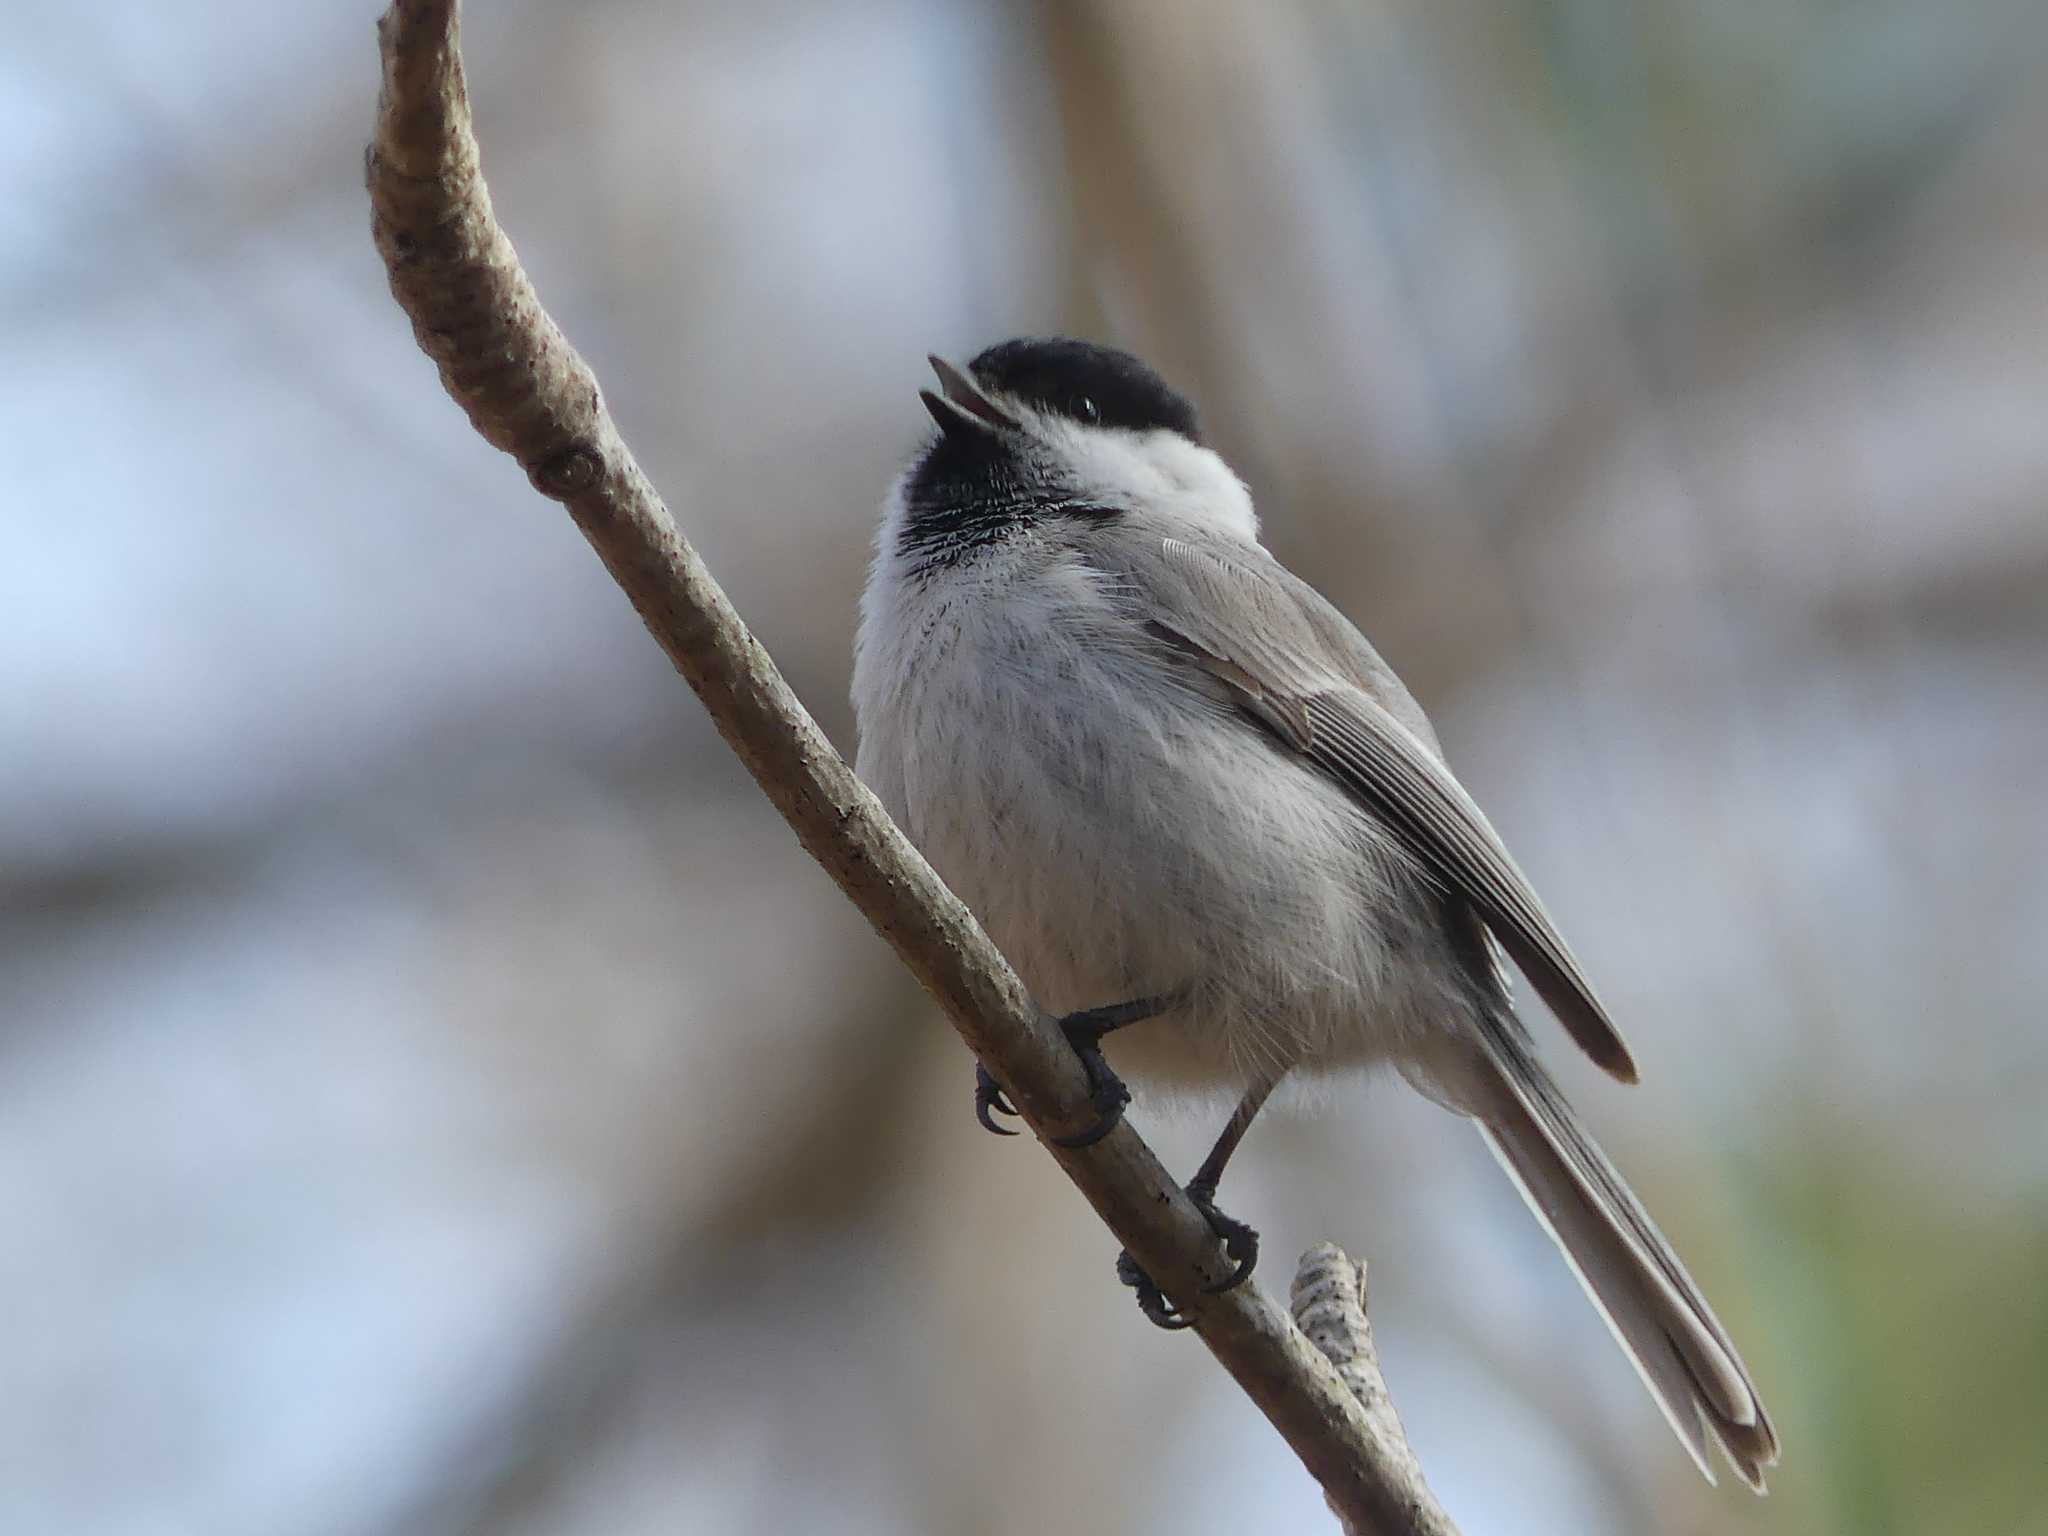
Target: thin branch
1329, 1308
525, 389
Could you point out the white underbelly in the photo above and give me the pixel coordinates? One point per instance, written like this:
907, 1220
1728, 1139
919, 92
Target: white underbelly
1169, 848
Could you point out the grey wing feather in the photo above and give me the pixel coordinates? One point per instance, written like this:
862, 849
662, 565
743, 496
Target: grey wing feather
1300, 667
1296, 664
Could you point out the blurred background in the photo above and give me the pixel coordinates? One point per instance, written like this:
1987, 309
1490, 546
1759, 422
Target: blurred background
434, 1086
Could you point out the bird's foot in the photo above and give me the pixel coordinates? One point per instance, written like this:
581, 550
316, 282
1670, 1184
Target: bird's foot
1240, 1244
1106, 1091
1152, 1301
990, 1098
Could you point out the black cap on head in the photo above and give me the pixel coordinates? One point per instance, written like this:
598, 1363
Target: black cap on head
1085, 382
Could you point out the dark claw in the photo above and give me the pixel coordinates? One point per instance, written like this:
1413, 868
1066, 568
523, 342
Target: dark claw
1151, 1300
1106, 1091
1240, 1242
989, 1095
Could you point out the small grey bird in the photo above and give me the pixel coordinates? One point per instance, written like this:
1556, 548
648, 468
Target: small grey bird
1193, 806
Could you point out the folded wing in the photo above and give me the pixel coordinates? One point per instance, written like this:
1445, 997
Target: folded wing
1301, 668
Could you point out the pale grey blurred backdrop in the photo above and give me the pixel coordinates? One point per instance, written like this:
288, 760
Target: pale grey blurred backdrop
436, 1094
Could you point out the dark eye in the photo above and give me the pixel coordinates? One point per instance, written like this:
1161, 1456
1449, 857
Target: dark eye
1085, 409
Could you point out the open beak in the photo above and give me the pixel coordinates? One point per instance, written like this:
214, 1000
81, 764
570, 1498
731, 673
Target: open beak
961, 407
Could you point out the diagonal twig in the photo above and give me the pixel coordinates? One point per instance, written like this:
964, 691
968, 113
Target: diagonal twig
508, 365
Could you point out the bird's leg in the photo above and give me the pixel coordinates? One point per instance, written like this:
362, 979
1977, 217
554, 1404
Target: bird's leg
1084, 1031
1240, 1242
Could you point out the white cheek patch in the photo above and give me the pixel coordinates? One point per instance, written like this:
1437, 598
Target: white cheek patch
1159, 470
1208, 488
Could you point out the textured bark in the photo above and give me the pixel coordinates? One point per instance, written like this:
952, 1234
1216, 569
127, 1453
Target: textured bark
525, 389
1329, 1308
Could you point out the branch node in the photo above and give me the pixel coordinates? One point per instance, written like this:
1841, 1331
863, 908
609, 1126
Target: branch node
569, 473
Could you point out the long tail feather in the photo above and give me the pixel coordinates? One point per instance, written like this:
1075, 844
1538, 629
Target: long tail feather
1651, 1304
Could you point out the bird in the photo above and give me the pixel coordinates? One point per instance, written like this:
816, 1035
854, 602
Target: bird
1212, 830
